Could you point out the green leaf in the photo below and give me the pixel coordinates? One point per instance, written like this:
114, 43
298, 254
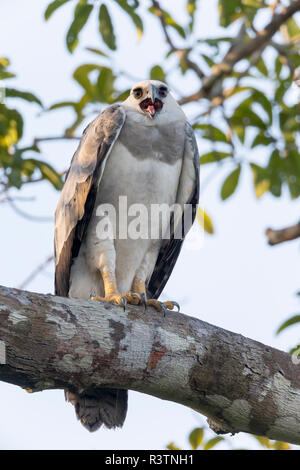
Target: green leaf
133, 15
105, 85
214, 156
281, 90
54, 6
208, 60
81, 15
106, 28
279, 445
47, 171
261, 139
13, 93
230, 10
291, 321
292, 28
205, 221
172, 446
213, 442
5, 75
4, 62
157, 73
169, 21
278, 65
211, 133
295, 351
264, 441
121, 96
81, 75
196, 437
230, 183
245, 116
191, 7
96, 51
261, 180
259, 97
13, 123
276, 172
261, 66
62, 104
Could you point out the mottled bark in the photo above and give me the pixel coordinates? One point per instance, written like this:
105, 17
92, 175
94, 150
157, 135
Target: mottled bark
239, 384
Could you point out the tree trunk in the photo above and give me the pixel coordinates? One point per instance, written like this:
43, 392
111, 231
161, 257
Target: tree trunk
50, 342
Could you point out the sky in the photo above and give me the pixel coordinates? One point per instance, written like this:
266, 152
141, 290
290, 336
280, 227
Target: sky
232, 279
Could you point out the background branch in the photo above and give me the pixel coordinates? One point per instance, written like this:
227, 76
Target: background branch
283, 235
241, 51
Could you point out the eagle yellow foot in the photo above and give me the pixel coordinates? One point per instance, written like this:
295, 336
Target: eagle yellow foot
138, 286
162, 306
119, 299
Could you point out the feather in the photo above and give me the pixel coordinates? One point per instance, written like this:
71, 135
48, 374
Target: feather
78, 196
169, 251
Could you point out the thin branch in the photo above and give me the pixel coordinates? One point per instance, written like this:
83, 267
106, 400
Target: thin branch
54, 138
35, 272
242, 51
181, 53
283, 235
25, 215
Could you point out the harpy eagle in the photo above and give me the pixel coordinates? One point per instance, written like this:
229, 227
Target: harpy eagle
144, 150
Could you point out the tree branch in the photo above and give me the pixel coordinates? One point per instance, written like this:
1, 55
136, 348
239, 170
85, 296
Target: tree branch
283, 235
239, 384
243, 51
181, 53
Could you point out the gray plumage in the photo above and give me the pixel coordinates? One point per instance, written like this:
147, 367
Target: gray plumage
150, 159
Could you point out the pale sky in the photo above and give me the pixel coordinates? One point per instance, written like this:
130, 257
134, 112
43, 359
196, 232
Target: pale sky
233, 279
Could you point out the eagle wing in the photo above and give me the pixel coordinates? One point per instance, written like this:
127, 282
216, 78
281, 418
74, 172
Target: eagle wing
78, 195
188, 193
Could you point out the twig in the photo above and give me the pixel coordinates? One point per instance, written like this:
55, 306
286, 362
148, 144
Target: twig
243, 51
30, 217
62, 137
283, 235
35, 272
181, 53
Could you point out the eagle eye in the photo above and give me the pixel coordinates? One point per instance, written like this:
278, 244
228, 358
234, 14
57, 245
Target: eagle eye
137, 93
163, 91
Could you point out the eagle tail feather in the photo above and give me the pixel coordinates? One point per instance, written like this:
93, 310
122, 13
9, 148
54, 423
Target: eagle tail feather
106, 407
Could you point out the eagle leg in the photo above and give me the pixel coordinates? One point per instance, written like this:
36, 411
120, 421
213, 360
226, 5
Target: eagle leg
112, 295
139, 287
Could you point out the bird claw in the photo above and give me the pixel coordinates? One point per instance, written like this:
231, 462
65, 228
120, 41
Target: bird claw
176, 304
124, 303
144, 300
163, 307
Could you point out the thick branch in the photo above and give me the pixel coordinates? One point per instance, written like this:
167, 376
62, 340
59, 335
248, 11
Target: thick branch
283, 235
239, 384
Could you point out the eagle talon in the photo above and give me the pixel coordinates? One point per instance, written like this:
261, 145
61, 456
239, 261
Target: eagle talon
163, 307
144, 300
176, 305
124, 303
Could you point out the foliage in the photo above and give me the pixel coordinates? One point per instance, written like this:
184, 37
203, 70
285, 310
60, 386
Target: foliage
199, 439
258, 119
18, 165
293, 320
